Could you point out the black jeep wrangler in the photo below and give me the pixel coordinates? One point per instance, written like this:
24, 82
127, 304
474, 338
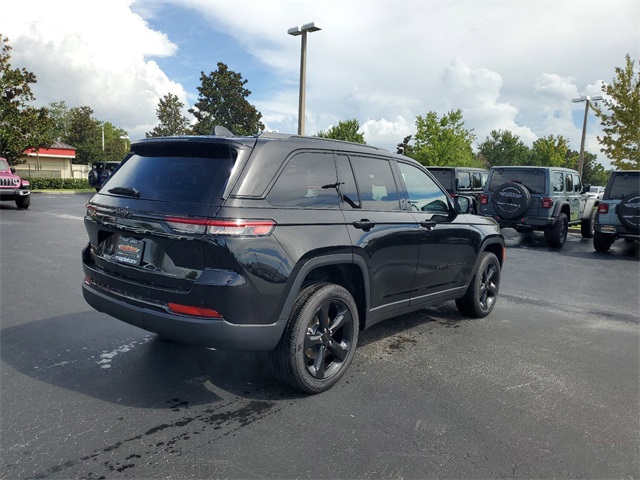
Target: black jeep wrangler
465, 181
281, 243
99, 173
548, 199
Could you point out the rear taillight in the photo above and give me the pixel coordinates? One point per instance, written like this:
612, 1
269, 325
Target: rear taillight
484, 199
546, 202
193, 311
603, 208
233, 228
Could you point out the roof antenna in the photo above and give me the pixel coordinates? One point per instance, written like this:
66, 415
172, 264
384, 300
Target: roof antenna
220, 131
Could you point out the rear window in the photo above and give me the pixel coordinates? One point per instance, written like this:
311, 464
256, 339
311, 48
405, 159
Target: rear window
532, 178
624, 184
185, 175
445, 177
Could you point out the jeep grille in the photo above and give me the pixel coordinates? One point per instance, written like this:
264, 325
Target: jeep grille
9, 182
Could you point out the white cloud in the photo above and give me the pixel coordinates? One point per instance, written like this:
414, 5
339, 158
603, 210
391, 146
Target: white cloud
89, 54
508, 65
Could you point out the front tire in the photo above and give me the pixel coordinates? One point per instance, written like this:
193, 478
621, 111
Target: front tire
23, 202
587, 225
319, 341
557, 234
482, 292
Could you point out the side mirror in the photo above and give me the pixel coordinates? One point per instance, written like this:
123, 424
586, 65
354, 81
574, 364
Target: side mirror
461, 204
585, 188
13, 170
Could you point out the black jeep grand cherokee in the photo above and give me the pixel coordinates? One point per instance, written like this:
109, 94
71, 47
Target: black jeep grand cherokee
281, 243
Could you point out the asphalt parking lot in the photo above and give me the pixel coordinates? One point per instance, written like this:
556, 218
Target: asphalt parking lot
547, 386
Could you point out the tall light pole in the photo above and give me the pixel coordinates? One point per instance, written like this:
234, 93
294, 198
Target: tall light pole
587, 99
295, 31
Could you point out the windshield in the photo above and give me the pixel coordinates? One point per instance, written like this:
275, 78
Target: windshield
3, 164
532, 178
187, 177
444, 176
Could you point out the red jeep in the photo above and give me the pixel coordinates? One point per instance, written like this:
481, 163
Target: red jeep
12, 187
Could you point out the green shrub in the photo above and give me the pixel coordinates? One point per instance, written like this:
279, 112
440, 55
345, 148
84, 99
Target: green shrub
59, 184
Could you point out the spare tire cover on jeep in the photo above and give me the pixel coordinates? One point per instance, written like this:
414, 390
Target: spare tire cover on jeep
629, 211
511, 200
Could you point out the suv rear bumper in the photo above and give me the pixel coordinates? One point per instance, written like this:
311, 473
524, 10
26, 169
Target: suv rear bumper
530, 223
619, 231
214, 333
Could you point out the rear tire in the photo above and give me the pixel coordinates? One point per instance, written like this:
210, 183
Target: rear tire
602, 242
557, 234
320, 339
482, 292
587, 225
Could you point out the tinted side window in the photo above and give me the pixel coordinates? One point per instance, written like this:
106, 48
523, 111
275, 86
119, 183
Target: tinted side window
424, 195
464, 180
557, 181
308, 180
476, 180
577, 185
375, 183
569, 182
347, 187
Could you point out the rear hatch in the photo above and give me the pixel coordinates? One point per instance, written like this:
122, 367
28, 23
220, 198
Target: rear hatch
534, 179
147, 225
445, 177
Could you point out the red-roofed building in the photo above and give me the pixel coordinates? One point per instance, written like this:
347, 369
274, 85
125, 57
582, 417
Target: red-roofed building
52, 162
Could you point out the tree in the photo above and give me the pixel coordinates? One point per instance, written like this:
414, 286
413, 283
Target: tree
501, 147
61, 120
85, 134
621, 125
593, 173
346, 130
172, 122
222, 100
443, 141
403, 148
549, 151
21, 126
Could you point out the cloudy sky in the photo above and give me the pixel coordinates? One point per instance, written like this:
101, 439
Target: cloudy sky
511, 65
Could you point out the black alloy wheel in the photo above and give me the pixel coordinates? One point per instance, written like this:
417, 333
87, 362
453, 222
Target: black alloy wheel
482, 293
557, 234
320, 339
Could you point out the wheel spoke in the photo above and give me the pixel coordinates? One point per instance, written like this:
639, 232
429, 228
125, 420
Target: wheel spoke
339, 350
312, 340
337, 322
318, 364
323, 316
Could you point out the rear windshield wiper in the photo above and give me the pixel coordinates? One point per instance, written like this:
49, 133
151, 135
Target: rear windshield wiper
128, 191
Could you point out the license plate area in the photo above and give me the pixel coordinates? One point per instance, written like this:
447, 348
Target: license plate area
129, 251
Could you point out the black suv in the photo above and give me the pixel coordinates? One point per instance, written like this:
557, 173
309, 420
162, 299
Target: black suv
281, 243
619, 213
548, 199
465, 181
99, 173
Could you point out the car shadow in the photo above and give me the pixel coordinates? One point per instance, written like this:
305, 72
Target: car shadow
95, 355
